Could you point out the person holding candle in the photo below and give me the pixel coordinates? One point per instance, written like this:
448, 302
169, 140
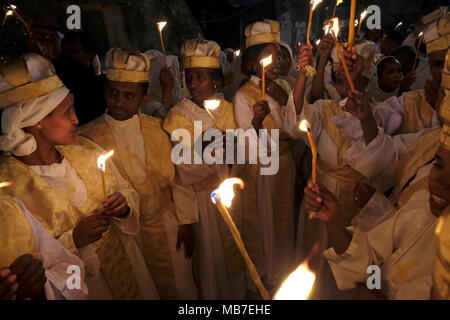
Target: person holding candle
383, 234
143, 157
218, 265
388, 81
32, 263
267, 199
415, 110
46, 160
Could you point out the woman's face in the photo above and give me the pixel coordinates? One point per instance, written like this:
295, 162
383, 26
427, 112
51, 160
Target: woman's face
272, 70
439, 182
285, 61
60, 127
200, 83
391, 76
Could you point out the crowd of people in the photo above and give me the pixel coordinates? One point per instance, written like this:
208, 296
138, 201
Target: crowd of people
146, 227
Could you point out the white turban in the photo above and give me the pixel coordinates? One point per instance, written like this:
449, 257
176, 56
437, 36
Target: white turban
20, 115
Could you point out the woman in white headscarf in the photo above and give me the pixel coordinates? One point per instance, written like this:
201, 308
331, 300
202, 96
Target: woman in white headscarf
288, 70
55, 175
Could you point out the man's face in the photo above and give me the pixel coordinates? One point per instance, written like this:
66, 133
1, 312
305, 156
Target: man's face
436, 60
200, 83
123, 99
439, 182
273, 69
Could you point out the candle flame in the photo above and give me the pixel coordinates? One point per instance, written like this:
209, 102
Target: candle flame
298, 285
5, 184
363, 14
237, 53
101, 160
211, 104
9, 12
420, 34
225, 192
304, 125
335, 26
12, 6
339, 2
314, 3
356, 22
317, 42
161, 25
398, 25
266, 61
326, 29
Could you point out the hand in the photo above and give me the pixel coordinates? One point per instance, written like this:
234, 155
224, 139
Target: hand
362, 194
355, 62
277, 92
261, 110
320, 200
432, 92
166, 79
115, 206
407, 81
186, 235
30, 277
305, 58
324, 48
90, 229
358, 106
8, 284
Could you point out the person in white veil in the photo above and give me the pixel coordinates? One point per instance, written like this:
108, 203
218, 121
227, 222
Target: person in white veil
288, 66
164, 89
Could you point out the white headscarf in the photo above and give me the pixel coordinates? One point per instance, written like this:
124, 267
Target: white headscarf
18, 116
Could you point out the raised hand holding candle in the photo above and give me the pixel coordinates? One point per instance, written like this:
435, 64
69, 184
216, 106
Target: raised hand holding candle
101, 164
265, 62
313, 6
222, 198
417, 52
211, 105
161, 26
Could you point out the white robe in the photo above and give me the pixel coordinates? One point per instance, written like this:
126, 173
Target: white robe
56, 260
214, 281
63, 176
270, 261
401, 242
130, 142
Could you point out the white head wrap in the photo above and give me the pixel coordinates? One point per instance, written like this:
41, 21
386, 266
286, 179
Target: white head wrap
20, 115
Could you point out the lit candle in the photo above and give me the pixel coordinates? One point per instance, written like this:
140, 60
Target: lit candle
13, 8
161, 26
237, 53
222, 198
8, 13
5, 184
417, 52
313, 6
363, 16
101, 164
211, 105
338, 2
265, 62
334, 32
351, 34
305, 127
298, 285
317, 42
398, 25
